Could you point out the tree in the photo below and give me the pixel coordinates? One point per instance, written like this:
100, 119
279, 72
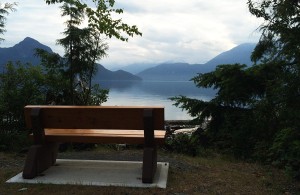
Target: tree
4, 10
279, 40
279, 48
84, 45
16, 93
256, 110
20, 85
100, 18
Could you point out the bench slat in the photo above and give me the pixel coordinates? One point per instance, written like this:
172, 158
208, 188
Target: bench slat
101, 136
95, 117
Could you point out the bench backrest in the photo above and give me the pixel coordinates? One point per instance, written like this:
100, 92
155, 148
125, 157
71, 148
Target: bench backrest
96, 117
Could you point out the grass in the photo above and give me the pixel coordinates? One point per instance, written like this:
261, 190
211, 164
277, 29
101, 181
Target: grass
187, 175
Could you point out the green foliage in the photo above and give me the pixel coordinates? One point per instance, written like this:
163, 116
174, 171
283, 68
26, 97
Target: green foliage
279, 48
256, 111
247, 112
185, 143
98, 95
58, 84
13, 136
83, 47
64, 81
4, 10
285, 151
20, 84
34, 85
279, 40
237, 86
229, 129
100, 18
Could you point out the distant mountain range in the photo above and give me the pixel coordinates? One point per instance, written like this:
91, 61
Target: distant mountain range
25, 52
136, 67
104, 74
184, 71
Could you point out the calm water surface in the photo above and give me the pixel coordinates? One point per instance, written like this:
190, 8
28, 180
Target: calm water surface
154, 93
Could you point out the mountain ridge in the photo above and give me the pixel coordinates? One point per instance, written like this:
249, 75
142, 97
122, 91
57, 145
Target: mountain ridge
184, 71
24, 52
104, 74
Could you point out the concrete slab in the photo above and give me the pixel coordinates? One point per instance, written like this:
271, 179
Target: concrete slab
98, 173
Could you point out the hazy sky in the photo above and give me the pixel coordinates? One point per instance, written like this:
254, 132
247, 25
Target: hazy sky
190, 31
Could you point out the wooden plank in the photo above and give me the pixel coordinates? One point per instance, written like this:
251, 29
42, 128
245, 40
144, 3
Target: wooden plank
100, 136
91, 117
112, 132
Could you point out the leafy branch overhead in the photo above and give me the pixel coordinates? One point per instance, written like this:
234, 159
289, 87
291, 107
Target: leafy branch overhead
100, 18
280, 30
4, 10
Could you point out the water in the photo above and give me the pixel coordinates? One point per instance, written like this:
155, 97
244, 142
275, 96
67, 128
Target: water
154, 93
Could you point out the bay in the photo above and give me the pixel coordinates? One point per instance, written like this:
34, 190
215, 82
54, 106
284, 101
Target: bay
154, 93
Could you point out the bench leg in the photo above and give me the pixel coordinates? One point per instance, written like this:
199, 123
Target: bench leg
39, 158
149, 164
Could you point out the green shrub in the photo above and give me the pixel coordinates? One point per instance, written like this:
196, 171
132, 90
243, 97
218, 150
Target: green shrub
285, 151
192, 144
14, 141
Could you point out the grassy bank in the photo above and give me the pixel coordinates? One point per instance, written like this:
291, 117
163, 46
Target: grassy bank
187, 175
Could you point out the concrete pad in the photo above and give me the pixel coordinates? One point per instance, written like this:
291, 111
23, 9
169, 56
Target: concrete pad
98, 173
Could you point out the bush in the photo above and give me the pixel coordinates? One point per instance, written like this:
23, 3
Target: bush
191, 144
13, 136
285, 151
15, 93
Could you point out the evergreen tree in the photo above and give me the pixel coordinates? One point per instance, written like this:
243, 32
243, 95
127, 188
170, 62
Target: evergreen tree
256, 110
84, 46
279, 49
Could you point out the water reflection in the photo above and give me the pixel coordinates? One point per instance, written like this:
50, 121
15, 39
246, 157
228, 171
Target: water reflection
154, 93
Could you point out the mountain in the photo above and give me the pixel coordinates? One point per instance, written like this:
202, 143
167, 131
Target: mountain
104, 74
136, 67
183, 71
23, 52
239, 54
170, 72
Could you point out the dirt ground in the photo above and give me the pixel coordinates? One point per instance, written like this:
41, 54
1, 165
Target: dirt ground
187, 175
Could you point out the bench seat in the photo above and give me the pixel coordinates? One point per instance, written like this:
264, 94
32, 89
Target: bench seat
105, 136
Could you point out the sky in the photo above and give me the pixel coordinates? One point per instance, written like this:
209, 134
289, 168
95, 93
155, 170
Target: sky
192, 31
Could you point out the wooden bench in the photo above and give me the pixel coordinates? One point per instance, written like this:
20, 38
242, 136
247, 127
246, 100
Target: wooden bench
52, 125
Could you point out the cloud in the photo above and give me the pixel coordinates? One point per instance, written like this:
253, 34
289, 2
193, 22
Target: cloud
36, 19
191, 31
